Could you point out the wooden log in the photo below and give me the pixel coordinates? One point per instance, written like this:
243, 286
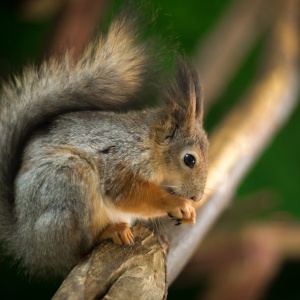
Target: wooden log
114, 272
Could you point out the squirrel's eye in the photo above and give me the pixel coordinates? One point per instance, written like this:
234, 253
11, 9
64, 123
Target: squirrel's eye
189, 160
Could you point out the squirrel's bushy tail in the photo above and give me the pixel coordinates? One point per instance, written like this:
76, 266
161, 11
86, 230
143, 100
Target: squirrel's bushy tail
112, 71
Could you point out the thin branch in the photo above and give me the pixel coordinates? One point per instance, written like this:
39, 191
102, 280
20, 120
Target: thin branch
254, 257
242, 259
220, 55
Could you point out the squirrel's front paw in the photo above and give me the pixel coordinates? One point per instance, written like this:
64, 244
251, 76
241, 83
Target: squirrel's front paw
183, 213
120, 233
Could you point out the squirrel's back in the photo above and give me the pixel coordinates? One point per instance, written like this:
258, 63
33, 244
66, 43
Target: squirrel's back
111, 74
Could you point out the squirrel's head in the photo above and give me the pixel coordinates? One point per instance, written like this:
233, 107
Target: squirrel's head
181, 144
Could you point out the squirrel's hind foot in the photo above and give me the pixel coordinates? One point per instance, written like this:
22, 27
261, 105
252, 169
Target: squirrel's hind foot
119, 233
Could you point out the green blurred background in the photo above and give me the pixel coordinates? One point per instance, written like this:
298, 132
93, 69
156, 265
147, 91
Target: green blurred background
189, 21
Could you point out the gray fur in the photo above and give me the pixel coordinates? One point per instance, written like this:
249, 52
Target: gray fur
45, 197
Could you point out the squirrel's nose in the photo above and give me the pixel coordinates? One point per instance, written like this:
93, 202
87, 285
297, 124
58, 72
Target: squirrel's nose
198, 197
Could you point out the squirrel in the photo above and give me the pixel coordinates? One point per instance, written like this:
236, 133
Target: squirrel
77, 167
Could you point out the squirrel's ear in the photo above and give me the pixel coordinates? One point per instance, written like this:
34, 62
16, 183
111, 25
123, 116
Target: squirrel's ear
183, 103
183, 95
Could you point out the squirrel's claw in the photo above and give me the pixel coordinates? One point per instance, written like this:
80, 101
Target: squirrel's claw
177, 223
171, 216
178, 220
183, 213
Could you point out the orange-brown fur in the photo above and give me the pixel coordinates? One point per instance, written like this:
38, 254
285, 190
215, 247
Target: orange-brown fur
148, 200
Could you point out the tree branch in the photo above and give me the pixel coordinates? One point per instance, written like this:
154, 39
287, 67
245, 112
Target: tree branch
114, 272
220, 55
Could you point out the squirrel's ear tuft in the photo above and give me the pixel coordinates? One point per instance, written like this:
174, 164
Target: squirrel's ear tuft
183, 95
